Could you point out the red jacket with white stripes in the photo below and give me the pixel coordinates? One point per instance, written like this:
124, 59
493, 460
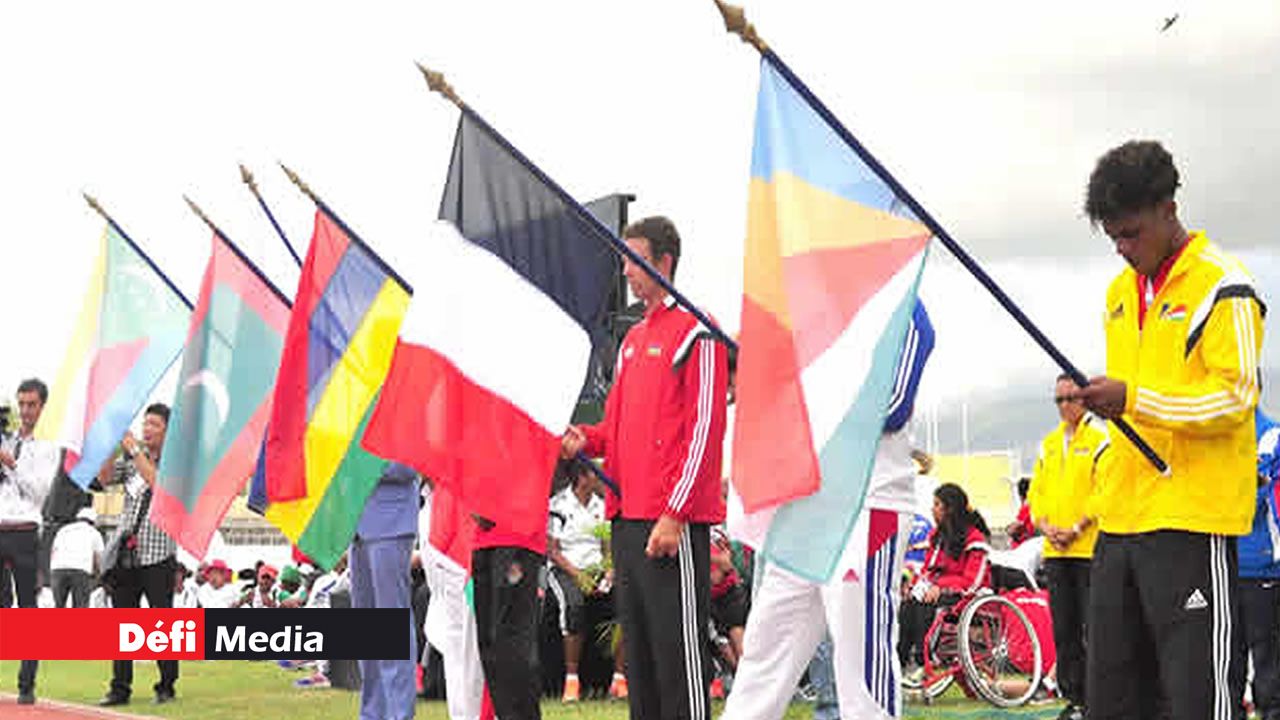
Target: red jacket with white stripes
965, 574
663, 430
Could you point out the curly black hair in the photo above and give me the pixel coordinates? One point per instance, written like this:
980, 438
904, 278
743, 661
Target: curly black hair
1137, 175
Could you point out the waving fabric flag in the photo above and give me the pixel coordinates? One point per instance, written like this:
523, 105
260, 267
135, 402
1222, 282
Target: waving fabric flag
514, 292
832, 264
483, 383
223, 399
499, 203
130, 331
341, 334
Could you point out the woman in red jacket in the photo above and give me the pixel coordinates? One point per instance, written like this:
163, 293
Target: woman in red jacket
955, 566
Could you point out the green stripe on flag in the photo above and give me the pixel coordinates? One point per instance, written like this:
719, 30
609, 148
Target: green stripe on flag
333, 524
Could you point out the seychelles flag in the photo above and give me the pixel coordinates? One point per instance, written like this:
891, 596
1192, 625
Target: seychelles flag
223, 399
341, 334
130, 331
832, 264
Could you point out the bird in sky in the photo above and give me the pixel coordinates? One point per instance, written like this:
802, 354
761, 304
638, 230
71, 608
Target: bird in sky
1169, 21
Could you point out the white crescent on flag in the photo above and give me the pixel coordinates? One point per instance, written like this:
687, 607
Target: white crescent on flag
216, 389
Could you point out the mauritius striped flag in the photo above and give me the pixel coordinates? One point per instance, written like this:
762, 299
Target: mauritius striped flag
223, 398
130, 331
495, 349
341, 334
832, 265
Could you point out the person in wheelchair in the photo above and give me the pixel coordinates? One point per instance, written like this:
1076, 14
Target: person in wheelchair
956, 566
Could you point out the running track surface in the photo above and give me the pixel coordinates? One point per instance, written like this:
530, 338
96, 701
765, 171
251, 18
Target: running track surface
56, 710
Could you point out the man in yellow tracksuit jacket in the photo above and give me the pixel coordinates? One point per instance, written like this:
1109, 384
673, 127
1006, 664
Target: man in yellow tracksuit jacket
1184, 334
1073, 460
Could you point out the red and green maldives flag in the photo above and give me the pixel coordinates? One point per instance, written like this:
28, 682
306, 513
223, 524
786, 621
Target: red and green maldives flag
223, 399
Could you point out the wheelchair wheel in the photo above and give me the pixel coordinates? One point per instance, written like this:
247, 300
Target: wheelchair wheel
999, 651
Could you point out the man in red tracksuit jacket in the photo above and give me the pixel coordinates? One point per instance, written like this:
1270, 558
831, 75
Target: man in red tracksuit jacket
661, 439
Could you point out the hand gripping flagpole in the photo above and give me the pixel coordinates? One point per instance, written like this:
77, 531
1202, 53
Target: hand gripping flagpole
239, 253
736, 23
247, 177
437, 83
93, 203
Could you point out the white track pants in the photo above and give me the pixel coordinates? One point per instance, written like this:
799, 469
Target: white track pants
451, 628
790, 616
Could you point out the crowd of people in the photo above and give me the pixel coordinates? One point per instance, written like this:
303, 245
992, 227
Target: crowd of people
1162, 580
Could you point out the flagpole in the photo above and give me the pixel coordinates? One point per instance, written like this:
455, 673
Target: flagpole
93, 203
736, 23
247, 177
437, 83
382, 264
239, 253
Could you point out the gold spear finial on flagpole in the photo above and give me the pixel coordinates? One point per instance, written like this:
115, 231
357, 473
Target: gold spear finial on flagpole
93, 203
200, 213
306, 189
735, 21
437, 84
247, 177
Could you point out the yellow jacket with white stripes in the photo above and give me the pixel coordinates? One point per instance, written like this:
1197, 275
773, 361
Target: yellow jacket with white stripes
1066, 476
1192, 372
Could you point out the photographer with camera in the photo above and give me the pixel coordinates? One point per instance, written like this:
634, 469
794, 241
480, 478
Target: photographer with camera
27, 468
140, 557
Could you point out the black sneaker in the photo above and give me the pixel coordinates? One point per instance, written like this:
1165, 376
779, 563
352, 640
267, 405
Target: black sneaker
27, 697
112, 699
164, 696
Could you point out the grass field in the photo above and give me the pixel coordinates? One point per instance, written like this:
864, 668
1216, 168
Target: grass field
241, 690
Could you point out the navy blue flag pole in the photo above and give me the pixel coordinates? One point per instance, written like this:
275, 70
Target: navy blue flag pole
93, 203
247, 177
736, 23
437, 83
239, 253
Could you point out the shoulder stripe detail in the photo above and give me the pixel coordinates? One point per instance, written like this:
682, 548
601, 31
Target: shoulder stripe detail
696, 333
701, 427
1223, 292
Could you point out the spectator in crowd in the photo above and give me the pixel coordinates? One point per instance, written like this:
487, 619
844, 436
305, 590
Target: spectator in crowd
320, 596
1260, 577
576, 552
1184, 333
956, 565
76, 559
661, 438
323, 587
27, 469
729, 601
218, 592
186, 594
290, 593
1022, 528
379, 566
263, 592
64, 501
1070, 470
140, 557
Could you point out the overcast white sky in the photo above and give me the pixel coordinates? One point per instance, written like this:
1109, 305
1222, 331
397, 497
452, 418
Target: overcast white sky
992, 113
